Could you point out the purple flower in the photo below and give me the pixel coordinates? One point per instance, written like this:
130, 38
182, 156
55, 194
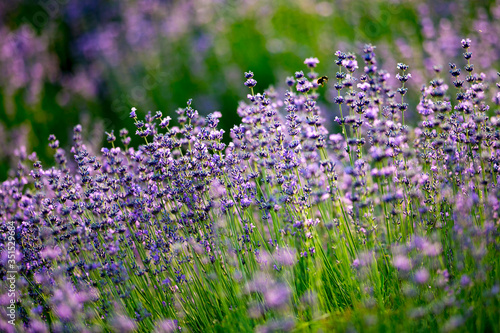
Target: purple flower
466, 43
250, 83
123, 324
311, 62
422, 276
277, 296
167, 326
465, 281
165, 121
402, 263
286, 256
350, 64
299, 75
246, 202
50, 253
402, 66
133, 113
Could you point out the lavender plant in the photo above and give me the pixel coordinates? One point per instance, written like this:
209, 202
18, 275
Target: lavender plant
81, 59
286, 228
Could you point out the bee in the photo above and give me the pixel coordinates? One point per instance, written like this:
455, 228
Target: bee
323, 80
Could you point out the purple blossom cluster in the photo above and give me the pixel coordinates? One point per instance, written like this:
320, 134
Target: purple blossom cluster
69, 54
286, 225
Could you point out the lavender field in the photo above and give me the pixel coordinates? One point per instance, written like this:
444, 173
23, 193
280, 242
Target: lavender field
354, 188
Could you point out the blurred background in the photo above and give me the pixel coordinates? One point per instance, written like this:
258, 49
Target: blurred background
89, 61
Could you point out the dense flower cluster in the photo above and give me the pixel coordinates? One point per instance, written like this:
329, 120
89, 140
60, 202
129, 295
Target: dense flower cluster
286, 227
65, 56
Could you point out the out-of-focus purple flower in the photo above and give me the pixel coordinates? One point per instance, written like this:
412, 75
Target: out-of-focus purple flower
422, 276
282, 325
165, 121
123, 324
453, 323
432, 249
465, 280
402, 263
166, 326
37, 326
246, 202
50, 253
277, 296
496, 98
286, 256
